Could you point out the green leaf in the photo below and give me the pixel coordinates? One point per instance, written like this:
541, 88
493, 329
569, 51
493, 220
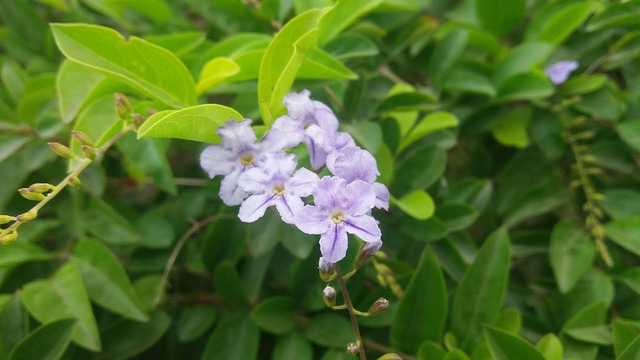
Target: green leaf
348, 46
418, 170
292, 346
511, 128
149, 155
446, 54
624, 333
550, 347
630, 132
320, 65
275, 315
64, 296
589, 325
107, 224
21, 252
422, 310
506, 346
156, 10
178, 43
520, 60
632, 352
509, 320
430, 350
329, 329
194, 321
581, 84
500, 17
619, 202
565, 21
366, 133
417, 204
456, 216
535, 200
196, 123
616, 14
105, 50
624, 232
46, 342
214, 72
571, 252
229, 283
408, 101
463, 80
623, 51
126, 339
282, 59
481, 291
429, 124
106, 280
602, 104
341, 15
525, 87
14, 322
234, 338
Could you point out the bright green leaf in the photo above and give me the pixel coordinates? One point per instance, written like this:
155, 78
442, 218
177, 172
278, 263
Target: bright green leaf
341, 16
520, 60
178, 43
417, 204
156, 10
564, 22
582, 84
46, 342
509, 320
511, 128
571, 252
214, 72
431, 123
550, 347
320, 65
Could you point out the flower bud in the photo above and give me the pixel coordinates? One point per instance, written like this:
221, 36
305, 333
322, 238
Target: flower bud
390, 356
352, 348
379, 306
62, 150
122, 105
40, 188
6, 219
82, 138
75, 181
26, 217
366, 252
137, 120
30, 195
8, 238
329, 296
89, 152
325, 269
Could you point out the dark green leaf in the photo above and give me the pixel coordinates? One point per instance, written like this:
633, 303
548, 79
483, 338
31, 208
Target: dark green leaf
329, 330
616, 14
446, 54
292, 346
14, 322
47, 342
150, 156
408, 101
456, 216
275, 315
630, 133
506, 346
525, 87
234, 338
229, 283
589, 325
21, 252
107, 224
624, 333
194, 321
602, 104
624, 232
571, 252
418, 170
500, 17
621, 202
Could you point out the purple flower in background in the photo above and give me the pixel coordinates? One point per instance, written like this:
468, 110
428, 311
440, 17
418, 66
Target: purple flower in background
272, 184
311, 122
354, 163
340, 208
559, 72
237, 152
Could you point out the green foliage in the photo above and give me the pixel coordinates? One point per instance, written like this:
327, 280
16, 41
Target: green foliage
514, 226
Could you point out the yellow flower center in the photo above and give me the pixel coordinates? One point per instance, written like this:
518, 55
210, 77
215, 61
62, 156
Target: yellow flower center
246, 159
278, 189
337, 217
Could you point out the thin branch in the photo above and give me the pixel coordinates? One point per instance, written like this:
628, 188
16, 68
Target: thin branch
352, 313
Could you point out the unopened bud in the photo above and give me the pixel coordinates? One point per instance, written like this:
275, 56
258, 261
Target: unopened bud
40, 188
26, 217
137, 120
75, 181
329, 296
8, 238
366, 252
4, 219
89, 152
379, 306
390, 356
82, 138
122, 105
352, 348
325, 269
30, 195
62, 150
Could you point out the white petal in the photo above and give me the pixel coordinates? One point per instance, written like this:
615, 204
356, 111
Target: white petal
288, 205
216, 160
254, 181
382, 196
333, 244
303, 182
254, 207
365, 227
312, 220
230, 192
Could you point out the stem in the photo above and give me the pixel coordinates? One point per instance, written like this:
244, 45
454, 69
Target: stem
77, 171
352, 313
385, 349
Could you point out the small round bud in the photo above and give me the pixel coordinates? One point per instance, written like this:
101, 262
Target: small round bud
26, 217
40, 188
75, 181
8, 238
366, 252
352, 348
390, 356
325, 269
122, 105
89, 152
379, 306
137, 120
329, 296
4, 219
82, 138
30, 195
62, 150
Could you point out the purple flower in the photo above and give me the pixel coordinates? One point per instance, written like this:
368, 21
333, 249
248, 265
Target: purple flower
340, 208
237, 152
311, 122
560, 71
272, 184
354, 163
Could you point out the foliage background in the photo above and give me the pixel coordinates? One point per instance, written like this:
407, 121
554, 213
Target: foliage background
514, 230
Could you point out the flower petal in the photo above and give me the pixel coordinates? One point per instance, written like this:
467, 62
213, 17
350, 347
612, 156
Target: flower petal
290, 135
230, 193
365, 227
312, 220
303, 182
254, 207
288, 205
298, 104
382, 196
330, 193
216, 160
255, 181
355, 164
333, 244
361, 198
236, 135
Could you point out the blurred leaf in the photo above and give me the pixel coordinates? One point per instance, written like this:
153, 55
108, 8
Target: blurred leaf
589, 325
623, 51
431, 123
446, 54
156, 10
624, 232
525, 87
481, 291
150, 156
468, 81
630, 132
46, 342
366, 133
329, 329
229, 283
98, 120
275, 315
581, 84
632, 352
602, 104
20, 252
292, 346
299, 244
105, 50
475, 192
282, 59
234, 338
500, 17
520, 60
564, 22
621, 202
456, 216
430, 350
506, 346
196, 123
14, 322
509, 320
422, 311
511, 128
348, 46
417, 204
535, 200
179, 43
108, 225
550, 347
571, 252
126, 339
64, 296
341, 16
418, 170
194, 321
615, 14
408, 101
320, 65
39, 92
106, 281
624, 333
214, 72
148, 288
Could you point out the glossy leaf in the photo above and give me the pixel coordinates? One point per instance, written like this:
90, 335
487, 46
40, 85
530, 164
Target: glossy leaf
431, 123
589, 325
417, 204
481, 291
105, 50
106, 280
292, 346
624, 232
571, 252
196, 123
60, 297
422, 311
275, 315
500, 17
320, 65
506, 346
178, 43
234, 338
156, 10
550, 347
341, 16
329, 329
47, 342
216, 71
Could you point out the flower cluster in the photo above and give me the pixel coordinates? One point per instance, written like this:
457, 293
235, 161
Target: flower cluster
260, 173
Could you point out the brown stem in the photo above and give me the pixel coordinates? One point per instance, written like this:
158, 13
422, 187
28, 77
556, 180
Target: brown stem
352, 314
